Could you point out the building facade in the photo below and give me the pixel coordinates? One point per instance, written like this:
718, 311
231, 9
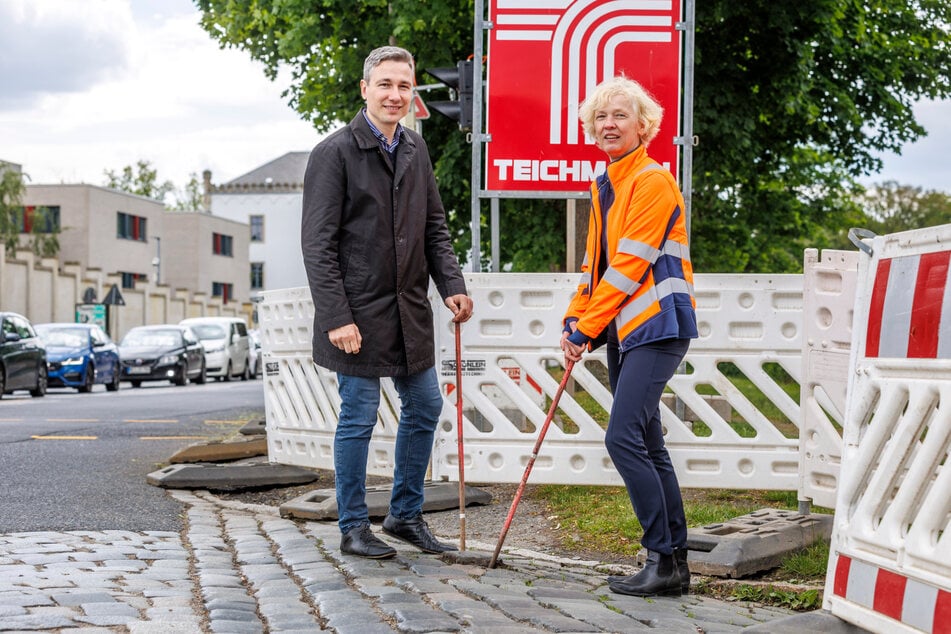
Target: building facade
136, 239
268, 200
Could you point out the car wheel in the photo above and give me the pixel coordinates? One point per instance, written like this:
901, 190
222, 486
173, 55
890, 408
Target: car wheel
202, 374
247, 370
113, 386
89, 379
40, 389
227, 375
136, 383
181, 378
3, 381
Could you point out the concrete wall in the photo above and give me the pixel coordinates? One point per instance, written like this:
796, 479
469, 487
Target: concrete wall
188, 258
44, 291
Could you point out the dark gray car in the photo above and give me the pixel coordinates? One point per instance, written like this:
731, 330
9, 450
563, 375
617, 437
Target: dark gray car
161, 353
22, 356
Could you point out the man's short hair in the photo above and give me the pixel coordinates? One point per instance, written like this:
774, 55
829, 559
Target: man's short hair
386, 54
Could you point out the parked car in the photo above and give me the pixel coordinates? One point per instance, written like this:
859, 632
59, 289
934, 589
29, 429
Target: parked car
255, 353
161, 353
80, 356
226, 343
22, 356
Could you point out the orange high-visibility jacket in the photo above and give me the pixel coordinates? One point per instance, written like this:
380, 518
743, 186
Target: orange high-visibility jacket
647, 287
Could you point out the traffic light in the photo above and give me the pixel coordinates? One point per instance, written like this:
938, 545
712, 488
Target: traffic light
459, 79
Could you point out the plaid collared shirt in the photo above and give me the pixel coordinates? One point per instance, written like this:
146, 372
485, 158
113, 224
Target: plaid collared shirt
390, 148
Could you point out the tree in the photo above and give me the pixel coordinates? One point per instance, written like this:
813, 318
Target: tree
891, 207
142, 180
190, 197
14, 217
792, 103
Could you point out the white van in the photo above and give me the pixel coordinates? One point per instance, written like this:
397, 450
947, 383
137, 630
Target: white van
226, 344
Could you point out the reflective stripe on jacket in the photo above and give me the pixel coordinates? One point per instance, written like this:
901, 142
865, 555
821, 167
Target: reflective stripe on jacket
647, 285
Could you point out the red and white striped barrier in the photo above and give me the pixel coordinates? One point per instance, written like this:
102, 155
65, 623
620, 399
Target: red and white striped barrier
890, 568
891, 595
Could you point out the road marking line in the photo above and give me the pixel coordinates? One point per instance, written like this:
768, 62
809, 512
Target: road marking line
72, 420
225, 422
150, 420
64, 437
173, 437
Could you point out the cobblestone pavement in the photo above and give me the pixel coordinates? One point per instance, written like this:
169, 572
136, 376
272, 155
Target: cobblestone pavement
242, 568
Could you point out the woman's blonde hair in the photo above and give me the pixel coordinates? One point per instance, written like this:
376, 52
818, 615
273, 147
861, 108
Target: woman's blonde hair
645, 107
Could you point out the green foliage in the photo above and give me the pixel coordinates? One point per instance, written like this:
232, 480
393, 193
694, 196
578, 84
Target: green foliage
189, 198
12, 188
892, 207
11, 196
770, 595
141, 180
793, 101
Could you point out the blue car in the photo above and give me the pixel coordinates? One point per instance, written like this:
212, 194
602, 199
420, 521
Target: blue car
80, 356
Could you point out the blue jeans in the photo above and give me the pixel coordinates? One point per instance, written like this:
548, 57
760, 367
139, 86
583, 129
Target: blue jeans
635, 440
421, 404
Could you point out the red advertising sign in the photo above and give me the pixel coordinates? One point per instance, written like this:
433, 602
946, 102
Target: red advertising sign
544, 56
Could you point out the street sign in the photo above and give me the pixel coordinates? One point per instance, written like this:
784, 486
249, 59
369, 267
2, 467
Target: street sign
419, 107
114, 297
544, 58
91, 314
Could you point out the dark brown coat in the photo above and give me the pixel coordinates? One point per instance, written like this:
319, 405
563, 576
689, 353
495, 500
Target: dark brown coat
372, 236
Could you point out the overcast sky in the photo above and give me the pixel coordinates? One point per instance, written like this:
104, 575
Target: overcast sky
91, 85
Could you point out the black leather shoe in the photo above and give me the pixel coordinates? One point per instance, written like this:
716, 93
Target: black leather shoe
683, 569
362, 542
659, 577
414, 531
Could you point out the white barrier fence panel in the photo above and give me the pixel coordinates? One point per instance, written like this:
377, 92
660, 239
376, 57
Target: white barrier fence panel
890, 563
750, 342
828, 299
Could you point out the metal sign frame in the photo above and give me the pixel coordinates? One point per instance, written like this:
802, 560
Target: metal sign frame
479, 135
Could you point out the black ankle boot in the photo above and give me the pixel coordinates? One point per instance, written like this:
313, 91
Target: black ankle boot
659, 576
680, 558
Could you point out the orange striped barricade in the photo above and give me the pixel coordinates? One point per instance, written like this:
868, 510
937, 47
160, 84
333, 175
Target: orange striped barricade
890, 563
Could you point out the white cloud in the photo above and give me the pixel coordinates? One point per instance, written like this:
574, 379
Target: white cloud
57, 46
173, 98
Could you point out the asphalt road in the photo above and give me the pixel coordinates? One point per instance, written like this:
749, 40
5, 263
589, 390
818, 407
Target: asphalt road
72, 461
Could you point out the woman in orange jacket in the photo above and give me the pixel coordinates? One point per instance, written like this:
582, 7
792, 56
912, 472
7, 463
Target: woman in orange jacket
636, 295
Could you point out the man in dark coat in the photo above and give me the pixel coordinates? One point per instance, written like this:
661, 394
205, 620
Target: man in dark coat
373, 233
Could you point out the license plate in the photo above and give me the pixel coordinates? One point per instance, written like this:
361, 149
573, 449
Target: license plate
140, 370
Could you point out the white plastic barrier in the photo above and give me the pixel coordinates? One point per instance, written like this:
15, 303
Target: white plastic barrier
890, 567
750, 335
828, 298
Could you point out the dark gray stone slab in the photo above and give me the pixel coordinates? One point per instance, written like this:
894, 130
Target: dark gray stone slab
218, 477
753, 543
321, 504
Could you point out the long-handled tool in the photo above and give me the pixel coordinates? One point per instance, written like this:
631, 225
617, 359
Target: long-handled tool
531, 463
460, 450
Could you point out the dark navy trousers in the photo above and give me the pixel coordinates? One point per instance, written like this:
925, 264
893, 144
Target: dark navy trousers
635, 439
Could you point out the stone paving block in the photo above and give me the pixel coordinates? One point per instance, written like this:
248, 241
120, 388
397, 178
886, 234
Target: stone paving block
322, 503
752, 543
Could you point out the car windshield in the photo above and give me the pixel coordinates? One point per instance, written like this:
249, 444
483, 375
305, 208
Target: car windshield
153, 338
64, 337
209, 331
